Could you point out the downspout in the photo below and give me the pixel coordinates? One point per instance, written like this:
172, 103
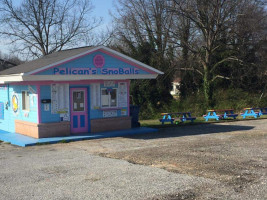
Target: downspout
8, 98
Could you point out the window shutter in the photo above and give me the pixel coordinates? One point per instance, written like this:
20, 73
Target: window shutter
59, 98
122, 94
95, 96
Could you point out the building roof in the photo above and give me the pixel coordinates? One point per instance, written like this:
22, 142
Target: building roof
29, 71
44, 61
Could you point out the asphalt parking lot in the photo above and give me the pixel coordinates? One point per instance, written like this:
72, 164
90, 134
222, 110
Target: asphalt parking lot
209, 161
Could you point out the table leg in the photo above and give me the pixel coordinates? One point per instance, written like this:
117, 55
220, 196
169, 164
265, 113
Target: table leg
245, 114
207, 116
215, 115
254, 114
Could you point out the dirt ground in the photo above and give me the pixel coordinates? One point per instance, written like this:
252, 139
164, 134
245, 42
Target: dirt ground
231, 157
235, 154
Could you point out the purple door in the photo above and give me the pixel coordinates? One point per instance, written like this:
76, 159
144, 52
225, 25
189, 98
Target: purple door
79, 110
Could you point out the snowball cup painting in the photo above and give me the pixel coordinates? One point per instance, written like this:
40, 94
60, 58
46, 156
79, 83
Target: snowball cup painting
82, 90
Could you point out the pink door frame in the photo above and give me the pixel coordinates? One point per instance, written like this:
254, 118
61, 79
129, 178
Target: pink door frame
80, 124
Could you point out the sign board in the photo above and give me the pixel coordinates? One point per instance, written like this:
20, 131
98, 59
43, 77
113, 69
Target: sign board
123, 112
110, 113
94, 71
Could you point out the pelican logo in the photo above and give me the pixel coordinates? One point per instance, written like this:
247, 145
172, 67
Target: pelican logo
99, 61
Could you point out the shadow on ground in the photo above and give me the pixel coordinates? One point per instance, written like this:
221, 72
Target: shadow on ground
191, 130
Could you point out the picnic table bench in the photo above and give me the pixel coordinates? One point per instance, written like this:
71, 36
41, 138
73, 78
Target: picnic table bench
220, 114
263, 111
171, 117
254, 112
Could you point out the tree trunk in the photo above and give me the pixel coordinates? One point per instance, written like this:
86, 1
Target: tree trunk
208, 88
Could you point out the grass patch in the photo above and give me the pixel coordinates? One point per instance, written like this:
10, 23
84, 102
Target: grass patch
236, 99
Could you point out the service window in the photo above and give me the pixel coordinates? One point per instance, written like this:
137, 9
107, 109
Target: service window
104, 98
25, 100
109, 98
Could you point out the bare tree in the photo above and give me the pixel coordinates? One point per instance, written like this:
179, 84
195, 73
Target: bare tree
212, 20
143, 31
40, 27
250, 33
141, 21
7, 61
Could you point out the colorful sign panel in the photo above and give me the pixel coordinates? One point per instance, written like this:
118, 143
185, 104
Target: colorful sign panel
94, 71
97, 63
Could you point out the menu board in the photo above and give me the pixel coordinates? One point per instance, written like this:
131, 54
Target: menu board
110, 113
60, 100
122, 94
123, 112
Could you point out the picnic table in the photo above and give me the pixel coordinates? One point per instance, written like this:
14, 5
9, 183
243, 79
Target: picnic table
171, 117
254, 112
220, 114
263, 111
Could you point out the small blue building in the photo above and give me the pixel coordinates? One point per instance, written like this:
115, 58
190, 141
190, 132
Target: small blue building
82, 90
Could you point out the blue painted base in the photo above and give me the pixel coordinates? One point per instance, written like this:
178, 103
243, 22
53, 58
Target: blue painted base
23, 141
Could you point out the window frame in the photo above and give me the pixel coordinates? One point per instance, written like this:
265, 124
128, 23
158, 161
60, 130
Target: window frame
23, 102
109, 99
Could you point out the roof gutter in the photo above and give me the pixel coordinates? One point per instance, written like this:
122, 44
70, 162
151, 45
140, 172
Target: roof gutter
11, 78
22, 77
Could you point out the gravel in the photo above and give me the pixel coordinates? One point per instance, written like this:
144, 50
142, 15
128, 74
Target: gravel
221, 161
61, 172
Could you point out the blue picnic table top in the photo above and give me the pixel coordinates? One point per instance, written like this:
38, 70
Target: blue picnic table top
170, 117
220, 114
254, 112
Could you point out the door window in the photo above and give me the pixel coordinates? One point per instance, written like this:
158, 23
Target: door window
78, 101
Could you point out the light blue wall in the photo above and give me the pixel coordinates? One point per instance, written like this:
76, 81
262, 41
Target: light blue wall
6, 93
87, 62
47, 116
4, 124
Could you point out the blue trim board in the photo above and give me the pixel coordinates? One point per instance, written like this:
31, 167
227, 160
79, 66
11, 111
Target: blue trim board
82, 121
23, 141
75, 121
